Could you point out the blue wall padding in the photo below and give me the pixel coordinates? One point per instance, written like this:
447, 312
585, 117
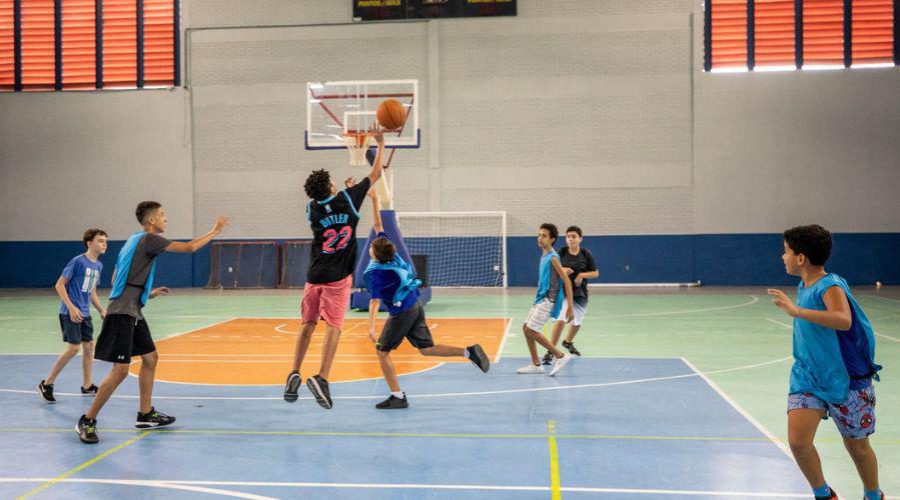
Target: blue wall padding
713, 259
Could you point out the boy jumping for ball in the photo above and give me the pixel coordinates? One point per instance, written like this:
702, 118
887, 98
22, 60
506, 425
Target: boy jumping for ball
391, 279
834, 362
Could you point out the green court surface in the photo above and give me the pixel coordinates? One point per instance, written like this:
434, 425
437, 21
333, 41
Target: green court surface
733, 335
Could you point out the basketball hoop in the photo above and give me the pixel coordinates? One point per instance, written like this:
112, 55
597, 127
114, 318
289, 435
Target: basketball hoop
357, 143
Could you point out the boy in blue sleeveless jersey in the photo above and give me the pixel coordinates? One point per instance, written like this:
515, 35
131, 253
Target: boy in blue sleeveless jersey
834, 362
391, 279
552, 282
77, 290
125, 332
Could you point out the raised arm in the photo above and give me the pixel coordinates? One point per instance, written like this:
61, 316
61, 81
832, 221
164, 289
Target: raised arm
377, 168
198, 243
376, 212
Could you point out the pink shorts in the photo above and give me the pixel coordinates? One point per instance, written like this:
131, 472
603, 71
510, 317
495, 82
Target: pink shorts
328, 301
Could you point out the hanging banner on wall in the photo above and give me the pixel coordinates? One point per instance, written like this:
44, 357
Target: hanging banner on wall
387, 10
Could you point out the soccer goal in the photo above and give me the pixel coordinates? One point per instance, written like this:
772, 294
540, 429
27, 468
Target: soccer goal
463, 249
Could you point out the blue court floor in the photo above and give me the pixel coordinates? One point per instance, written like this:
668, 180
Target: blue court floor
604, 428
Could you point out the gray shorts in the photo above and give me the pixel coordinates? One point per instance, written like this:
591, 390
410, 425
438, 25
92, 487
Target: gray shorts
410, 325
76, 333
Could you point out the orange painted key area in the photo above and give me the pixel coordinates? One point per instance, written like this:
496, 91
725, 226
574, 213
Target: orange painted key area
249, 351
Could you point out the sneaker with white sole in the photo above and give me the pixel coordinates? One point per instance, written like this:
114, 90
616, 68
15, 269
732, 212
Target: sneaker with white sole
560, 363
530, 370
291, 386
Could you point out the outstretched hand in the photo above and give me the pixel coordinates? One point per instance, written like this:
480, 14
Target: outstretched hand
349, 182
221, 223
783, 302
377, 132
156, 292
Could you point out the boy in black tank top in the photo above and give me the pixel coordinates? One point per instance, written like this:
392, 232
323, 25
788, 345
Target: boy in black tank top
332, 216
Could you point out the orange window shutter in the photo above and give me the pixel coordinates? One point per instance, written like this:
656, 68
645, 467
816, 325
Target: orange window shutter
119, 43
159, 42
729, 33
7, 46
79, 44
774, 30
38, 45
872, 31
823, 32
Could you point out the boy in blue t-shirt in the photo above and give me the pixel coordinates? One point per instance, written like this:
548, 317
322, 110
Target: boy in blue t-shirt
77, 290
390, 278
834, 362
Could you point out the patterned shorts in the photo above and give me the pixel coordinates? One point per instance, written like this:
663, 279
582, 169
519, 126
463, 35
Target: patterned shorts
855, 417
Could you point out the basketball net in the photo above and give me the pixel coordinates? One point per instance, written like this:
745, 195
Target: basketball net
357, 143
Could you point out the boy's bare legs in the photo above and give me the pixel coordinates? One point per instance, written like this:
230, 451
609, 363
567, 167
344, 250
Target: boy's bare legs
61, 362
107, 387
443, 351
802, 426
329, 349
532, 338
557, 331
573, 330
302, 345
145, 379
387, 368
87, 363
865, 460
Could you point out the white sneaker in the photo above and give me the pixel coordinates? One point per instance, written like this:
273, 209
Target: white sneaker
559, 363
530, 370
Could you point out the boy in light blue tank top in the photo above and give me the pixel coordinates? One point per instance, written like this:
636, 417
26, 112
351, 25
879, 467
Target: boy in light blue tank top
834, 362
554, 286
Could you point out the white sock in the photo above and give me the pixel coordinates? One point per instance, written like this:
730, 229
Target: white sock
398, 395
466, 353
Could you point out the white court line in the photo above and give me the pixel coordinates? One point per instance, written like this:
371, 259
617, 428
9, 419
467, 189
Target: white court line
482, 487
509, 322
777, 442
441, 395
146, 483
873, 331
753, 300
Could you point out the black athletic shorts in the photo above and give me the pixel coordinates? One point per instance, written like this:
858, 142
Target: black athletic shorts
76, 333
122, 337
409, 324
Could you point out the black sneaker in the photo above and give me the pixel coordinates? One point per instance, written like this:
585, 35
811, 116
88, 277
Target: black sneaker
479, 358
393, 403
90, 391
319, 387
291, 386
571, 348
153, 418
548, 359
46, 392
86, 428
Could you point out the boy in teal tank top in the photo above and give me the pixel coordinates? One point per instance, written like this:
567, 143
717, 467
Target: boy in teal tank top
834, 362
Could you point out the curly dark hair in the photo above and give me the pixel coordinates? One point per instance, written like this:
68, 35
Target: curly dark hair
551, 229
318, 185
813, 241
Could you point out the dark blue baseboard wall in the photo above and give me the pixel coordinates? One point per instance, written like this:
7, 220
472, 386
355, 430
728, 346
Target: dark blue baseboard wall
712, 259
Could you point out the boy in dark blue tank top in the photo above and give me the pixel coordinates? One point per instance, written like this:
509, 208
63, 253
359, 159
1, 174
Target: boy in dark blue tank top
391, 279
834, 362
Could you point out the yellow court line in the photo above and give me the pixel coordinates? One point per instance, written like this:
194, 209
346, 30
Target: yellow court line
226, 432
84, 465
555, 491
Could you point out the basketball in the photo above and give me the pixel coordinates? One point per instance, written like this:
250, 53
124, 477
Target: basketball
391, 114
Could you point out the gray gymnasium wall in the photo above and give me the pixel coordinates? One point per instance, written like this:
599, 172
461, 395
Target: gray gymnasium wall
594, 101
571, 111
74, 160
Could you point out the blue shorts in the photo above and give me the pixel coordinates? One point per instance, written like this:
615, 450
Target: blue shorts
855, 417
76, 333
